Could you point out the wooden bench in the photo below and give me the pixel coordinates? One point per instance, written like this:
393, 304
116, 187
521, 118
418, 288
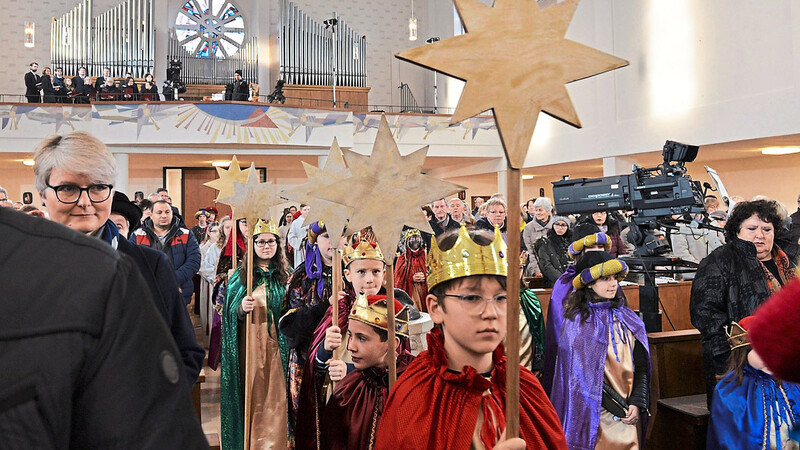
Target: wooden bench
677, 391
196, 398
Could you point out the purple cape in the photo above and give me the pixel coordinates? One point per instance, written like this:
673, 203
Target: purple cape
555, 317
578, 380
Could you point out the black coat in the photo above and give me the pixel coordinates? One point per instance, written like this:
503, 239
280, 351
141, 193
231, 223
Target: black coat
551, 252
438, 230
33, 83
59, 87
48, 89
729, 285
240, 91
160, 278
86, 357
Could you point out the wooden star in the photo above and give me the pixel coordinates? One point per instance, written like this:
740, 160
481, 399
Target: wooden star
515, 61
252, 200
386, 190
333, 215
224, 184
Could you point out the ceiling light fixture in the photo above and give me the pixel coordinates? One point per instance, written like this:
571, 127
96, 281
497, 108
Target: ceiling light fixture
780, 150
220, 163
412, 25
30, 32
28, 162
527, 177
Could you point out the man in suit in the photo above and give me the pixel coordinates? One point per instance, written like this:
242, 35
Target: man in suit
59, 86
82, 86
241, 88
33, 84
99, 82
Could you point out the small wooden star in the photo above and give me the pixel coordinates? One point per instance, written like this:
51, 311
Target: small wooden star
515, 61
224, 184
252, 200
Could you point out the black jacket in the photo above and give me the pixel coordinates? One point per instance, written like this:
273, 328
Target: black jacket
551, 252
160, 278
32, 86
438, 229
729, 285
87, 361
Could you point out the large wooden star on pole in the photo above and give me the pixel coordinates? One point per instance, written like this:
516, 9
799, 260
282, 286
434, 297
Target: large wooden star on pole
387, 190
252, 200
224, 184
333, 215
515, 61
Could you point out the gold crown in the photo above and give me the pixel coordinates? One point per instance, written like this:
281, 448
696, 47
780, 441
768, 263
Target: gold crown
376, 314
411, 232
737, 336
467, 258
266, 227
364, 250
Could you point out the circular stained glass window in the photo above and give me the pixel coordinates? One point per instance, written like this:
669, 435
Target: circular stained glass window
210, 28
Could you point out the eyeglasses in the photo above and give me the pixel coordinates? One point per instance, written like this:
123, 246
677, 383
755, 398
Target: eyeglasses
69, 193
475, 304
263, 243
559, 224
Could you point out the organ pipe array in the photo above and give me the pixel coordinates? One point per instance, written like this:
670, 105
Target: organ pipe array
307, 50
198, 70
121, 39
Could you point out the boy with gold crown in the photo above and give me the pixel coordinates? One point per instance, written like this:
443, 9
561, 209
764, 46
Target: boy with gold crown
353, 412
364, 270
268, 403
453, 395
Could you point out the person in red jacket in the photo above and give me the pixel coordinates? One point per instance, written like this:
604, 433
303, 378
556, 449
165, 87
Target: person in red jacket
453, 395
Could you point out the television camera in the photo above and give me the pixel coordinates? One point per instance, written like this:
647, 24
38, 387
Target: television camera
173, 85
659, 197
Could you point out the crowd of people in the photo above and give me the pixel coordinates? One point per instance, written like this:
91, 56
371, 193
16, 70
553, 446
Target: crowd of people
305, 380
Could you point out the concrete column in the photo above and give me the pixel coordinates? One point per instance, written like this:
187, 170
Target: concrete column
121, 184
502, 182
616, 165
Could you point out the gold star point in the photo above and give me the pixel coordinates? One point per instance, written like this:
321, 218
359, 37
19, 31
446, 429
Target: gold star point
224, 184
252, 200
527, 48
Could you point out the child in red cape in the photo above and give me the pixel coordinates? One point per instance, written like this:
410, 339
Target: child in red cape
453, 395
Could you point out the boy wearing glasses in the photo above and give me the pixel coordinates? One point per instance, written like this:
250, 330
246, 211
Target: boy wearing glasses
453, 395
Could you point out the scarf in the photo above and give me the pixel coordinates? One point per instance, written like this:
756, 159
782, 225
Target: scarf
785, 270
229, 246
109, 234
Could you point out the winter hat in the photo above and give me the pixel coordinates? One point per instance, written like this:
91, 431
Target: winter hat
595, 265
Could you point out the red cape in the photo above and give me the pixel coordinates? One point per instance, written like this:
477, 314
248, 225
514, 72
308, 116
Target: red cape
354, 410
431, 407
409, 263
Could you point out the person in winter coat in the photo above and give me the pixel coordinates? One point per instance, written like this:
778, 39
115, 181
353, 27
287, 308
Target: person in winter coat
552, 250
610, 226
163, 232
535, 229
76, 164
735, 279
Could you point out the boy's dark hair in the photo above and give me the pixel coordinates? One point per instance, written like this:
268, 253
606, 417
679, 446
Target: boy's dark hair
161, 189
766, 210
736, 363
445, 242
146, 204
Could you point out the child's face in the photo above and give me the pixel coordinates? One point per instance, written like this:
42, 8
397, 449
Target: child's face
605, 287
476, 329
365, 346
366, 275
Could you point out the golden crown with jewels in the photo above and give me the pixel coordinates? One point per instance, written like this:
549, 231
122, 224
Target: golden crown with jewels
467, 258
364, 249
265, 227
373, 310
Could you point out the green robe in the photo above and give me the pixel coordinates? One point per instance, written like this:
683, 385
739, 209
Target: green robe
232, 388
530, 306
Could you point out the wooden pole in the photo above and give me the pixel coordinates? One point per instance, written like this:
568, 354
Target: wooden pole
391, 355
512, 316
336, 286
247, 390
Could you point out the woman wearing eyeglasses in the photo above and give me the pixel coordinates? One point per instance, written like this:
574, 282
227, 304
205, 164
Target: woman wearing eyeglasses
74, 176
265, 307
